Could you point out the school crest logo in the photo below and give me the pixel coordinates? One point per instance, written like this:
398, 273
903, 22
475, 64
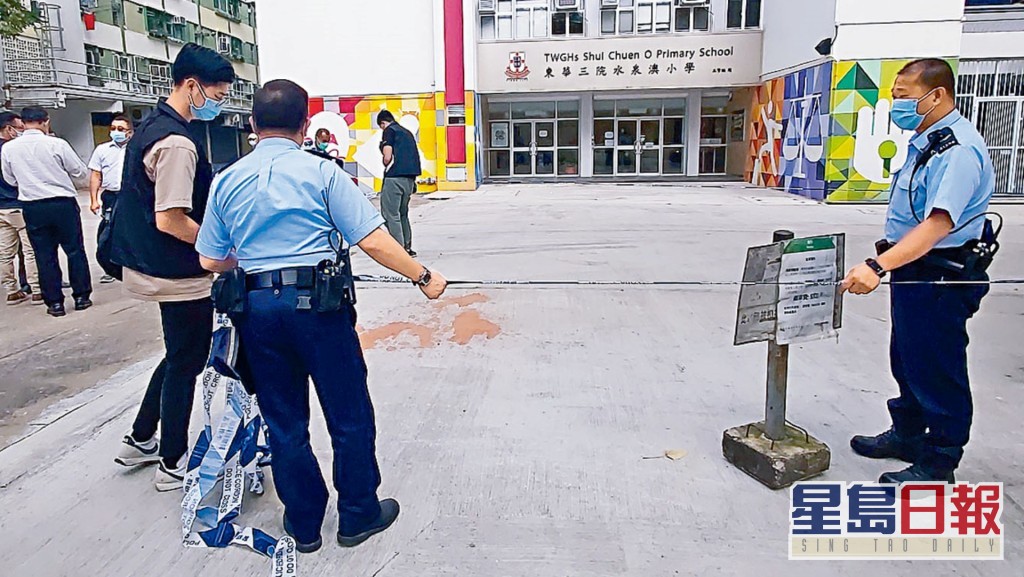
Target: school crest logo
517, 69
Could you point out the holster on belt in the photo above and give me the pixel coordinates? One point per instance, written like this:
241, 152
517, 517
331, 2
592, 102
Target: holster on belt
229, 292
335, 284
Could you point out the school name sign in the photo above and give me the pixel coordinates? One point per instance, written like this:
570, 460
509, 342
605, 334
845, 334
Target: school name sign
686, 61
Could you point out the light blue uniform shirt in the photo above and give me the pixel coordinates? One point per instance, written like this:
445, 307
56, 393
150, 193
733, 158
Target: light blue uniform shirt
278, 206
959, 181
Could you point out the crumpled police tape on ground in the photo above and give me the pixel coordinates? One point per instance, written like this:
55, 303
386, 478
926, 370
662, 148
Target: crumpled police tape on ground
226, 457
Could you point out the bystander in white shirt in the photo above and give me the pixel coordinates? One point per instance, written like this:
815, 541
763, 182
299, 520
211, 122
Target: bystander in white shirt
42, 167
108, 160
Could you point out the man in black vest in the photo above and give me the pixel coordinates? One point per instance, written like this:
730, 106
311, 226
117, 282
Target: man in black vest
155, 224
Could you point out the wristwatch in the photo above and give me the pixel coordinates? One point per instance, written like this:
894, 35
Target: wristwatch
424, 279
881, 272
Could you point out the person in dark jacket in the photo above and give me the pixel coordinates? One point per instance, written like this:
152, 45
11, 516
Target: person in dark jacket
155, 224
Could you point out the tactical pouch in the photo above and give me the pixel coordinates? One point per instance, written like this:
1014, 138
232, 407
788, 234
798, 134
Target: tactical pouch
229, 293
329, 292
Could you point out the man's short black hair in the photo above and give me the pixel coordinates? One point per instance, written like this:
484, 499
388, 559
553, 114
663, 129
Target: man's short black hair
7, 119
323, 131
203, 64
280, 105
385, 116
122, 118
932, 73
34, 114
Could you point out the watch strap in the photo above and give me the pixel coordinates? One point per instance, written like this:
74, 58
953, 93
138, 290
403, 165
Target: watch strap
879, 270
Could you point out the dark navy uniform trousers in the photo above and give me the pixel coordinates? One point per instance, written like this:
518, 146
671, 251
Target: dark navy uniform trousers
284, 347
928, 353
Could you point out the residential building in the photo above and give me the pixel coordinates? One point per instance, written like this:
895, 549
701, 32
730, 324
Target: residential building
782, 94
88, 60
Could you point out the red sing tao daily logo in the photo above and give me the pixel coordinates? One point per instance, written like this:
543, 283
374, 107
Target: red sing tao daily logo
517, 69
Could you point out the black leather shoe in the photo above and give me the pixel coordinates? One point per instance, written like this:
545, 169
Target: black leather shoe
411, 252
300, 546
56, 310
916, 474
82, 303
885, 446
388, 513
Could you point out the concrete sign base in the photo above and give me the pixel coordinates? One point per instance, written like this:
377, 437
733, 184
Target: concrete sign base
776, 464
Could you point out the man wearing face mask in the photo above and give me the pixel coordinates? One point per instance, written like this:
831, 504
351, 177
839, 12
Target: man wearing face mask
106, 166
155, 224
935, 221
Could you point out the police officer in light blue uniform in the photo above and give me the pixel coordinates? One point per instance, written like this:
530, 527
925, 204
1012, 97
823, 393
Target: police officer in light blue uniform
273, 214
935, 231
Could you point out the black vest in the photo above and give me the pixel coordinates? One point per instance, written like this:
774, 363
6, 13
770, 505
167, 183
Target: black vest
138, 244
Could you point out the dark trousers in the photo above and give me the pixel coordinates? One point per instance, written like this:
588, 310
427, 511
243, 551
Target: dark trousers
284, 348
188, 330
928, 354
108, 199
54, 223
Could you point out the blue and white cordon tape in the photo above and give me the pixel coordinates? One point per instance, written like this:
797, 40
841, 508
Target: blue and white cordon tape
226, 457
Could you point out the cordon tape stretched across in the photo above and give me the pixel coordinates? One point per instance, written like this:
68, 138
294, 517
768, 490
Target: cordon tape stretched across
383, 279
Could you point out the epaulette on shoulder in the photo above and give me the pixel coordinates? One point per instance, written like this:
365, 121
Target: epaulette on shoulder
324, 156
942, 140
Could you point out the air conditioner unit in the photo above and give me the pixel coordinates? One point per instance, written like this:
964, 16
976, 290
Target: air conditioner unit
488, 6
179, 20
224, 44
692, 2
609, 3
567, 4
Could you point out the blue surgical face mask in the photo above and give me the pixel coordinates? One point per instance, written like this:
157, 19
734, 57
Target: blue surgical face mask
209, 110
905, 114
118, 137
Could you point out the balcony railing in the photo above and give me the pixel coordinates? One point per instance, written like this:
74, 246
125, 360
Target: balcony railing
27, 66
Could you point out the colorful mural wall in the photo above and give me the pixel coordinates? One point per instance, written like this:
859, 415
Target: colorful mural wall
789, 127
864, 146
826, 133
355, 137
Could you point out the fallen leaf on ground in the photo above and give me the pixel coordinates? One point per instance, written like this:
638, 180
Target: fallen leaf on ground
675, 454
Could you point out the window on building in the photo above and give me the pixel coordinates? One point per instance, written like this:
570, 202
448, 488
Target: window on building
566, 23
695, 18
111, 13
627, 17
522, 19
743, 14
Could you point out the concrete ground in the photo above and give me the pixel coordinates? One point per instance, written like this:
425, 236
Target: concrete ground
513, 423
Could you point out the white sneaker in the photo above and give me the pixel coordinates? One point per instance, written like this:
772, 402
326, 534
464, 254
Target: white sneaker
171, 479
134, 453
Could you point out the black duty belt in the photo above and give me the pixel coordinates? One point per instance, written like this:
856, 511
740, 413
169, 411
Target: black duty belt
302, 278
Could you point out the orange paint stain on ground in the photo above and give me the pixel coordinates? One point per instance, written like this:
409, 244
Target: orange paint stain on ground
370, 339
470, 324
463, 301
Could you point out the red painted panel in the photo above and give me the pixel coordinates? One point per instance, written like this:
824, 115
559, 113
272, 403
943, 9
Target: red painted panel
456, 145
454, 53
316, 106
346, 105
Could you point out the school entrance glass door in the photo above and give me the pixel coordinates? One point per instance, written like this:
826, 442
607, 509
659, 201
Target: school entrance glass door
533, 139
533, 147
642, 137
638, 149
